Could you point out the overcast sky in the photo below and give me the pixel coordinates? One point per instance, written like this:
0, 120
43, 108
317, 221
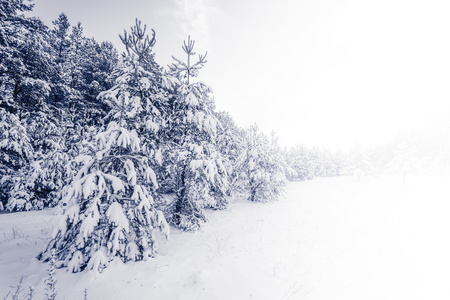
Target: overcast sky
318, 72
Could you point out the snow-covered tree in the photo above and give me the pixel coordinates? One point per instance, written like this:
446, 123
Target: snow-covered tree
340, 163
230, 144
40, 183
263, 168
89, 68
61, 75
404, 162
304, 161
16, 151
15, 147
141, 77
193, 161
94, 64
313, 162
110, 209
24, 59
361, 163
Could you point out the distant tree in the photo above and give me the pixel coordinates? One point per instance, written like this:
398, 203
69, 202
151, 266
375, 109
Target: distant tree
404, 162
231, 145
15, 147
61, 41
12, 9
61, 75
96, 63
263, 166
16, 152
361, 163
40, 183
340, 163
24, 60
313, 162
304, 161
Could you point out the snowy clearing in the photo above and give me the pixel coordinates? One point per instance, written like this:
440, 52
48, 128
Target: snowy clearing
329, 238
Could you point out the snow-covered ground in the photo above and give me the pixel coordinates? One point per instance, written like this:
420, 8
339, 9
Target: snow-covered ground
333, 238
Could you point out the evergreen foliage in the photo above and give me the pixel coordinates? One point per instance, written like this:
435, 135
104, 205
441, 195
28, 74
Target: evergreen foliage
309, 163
49, 81
404, 162
102, 136
361, 163
16, 152
15, 147
24, 57
230, 143
194, 163
263, 167
110, 203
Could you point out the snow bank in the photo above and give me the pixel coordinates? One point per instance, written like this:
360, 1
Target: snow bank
335, 238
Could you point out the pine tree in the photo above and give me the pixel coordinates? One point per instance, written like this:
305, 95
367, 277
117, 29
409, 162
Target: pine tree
194, 163
230, 144
110, 203
264, 168
15, 147
15, 152
141, 77
61, 77
404, 162
361, 163
10, 9
61, 42
97, 63
24, 58
39, 182
309, 163
75, 72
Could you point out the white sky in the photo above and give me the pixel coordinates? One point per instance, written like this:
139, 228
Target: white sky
318, 72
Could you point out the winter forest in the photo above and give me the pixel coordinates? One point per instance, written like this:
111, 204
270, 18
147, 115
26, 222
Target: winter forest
121, 172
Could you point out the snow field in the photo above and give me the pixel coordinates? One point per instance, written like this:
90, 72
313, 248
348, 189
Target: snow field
329, 238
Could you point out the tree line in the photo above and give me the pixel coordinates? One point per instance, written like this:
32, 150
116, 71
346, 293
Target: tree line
122, 145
